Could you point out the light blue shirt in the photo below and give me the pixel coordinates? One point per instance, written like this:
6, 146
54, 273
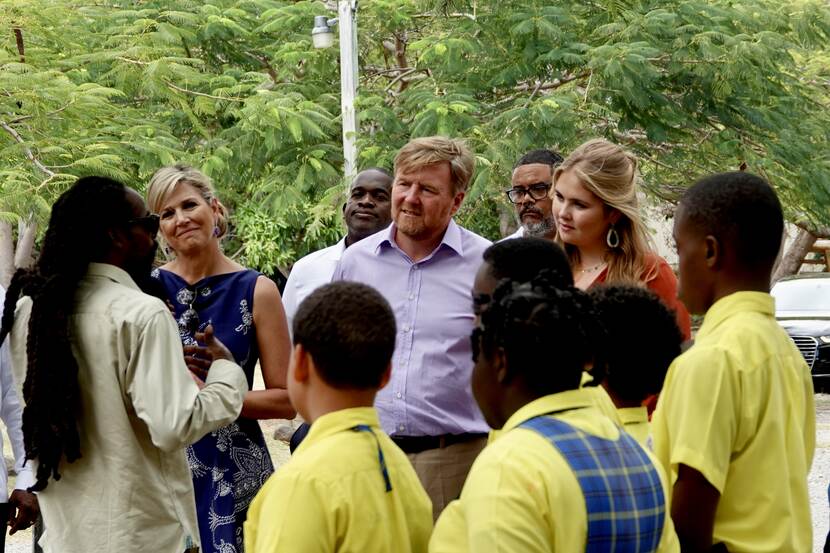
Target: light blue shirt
429, 393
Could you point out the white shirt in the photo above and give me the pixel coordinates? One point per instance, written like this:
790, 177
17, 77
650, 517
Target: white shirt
131, 490
520, 233
11, 412
308, 274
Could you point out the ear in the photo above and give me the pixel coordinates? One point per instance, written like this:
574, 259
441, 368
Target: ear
386, 376
614, 216
300, 360
503, 376
713, 253
456, 202
118, 238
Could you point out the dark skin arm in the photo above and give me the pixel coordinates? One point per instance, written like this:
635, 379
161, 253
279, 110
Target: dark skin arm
694, 503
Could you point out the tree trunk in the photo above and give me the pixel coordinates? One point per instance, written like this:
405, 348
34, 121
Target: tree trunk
26, 234
6, 253
792, 259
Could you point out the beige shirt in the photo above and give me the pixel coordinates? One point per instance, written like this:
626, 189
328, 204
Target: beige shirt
131, 489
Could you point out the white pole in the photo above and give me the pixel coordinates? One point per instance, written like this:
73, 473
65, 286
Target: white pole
348, 84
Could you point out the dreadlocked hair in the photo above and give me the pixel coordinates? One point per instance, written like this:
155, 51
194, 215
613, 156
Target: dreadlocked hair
527, 320
77, 235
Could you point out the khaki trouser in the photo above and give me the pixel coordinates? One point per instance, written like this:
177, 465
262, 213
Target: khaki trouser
442, 471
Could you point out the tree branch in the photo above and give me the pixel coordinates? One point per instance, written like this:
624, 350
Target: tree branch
194, 93
18, 36
26, 150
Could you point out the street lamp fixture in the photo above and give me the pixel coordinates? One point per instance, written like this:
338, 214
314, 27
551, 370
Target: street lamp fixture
322, 36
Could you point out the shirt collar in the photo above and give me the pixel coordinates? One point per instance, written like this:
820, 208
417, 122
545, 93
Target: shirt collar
113, 273
338, 421
630, 415
451, 239
571, 399
735, 303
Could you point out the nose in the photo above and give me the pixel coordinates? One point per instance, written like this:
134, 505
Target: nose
561, 210
527, 199
365, 201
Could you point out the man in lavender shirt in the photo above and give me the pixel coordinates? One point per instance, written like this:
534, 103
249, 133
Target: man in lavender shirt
425, 264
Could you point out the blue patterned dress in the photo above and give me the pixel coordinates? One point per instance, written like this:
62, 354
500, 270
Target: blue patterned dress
231, 464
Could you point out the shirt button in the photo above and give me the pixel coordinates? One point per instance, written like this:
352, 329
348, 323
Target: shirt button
416, 267
398, 395
411, 297
400, 427
406, 328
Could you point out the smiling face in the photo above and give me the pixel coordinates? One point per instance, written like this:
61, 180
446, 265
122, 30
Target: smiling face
582, 217
187, 220
424, 200
368, 209
535, 215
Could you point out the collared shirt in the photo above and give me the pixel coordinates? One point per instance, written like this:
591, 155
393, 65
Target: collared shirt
11, 412
332, 496
429, 393
520, 233
521, 494
635, 422
308, 274
738, 408
131, 489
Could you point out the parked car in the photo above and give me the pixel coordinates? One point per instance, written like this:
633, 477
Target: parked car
802, 306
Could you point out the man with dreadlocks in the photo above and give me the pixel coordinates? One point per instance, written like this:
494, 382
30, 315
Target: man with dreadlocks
110, 404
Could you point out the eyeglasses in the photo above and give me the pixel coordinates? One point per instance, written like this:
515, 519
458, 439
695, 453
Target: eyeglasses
538, 191
150, 223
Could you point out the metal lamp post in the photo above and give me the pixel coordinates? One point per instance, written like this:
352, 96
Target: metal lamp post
323, 37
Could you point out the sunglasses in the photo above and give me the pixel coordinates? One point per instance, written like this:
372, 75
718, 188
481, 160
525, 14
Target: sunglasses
150, 223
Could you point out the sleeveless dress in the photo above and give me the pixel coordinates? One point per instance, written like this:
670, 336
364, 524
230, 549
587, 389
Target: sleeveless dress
228, 465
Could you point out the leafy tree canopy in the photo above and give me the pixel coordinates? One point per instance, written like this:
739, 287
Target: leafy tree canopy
234, 87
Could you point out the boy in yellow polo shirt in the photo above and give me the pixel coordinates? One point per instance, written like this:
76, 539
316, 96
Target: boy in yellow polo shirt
348, 487
735, 423
642, 340
561, 476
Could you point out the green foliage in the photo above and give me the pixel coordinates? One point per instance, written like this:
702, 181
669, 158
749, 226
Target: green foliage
235, 88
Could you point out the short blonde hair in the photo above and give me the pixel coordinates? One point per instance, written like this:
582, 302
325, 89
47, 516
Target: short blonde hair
610, 172
165, 180
436, 149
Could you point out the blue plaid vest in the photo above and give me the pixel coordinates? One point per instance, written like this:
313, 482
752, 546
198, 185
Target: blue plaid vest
623, 494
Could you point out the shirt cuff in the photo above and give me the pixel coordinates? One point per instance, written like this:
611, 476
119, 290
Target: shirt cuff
222, 370
25, 478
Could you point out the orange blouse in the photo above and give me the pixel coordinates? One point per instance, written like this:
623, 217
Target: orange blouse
664, 284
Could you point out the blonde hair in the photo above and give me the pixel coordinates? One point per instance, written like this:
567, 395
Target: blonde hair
167, 178
610, 172
435, 149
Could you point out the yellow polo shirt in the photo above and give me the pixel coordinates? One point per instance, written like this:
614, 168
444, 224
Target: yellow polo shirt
738, 408
521, 494
635, 422
331, 496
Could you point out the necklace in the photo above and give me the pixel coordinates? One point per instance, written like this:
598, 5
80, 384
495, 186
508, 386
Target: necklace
592, 269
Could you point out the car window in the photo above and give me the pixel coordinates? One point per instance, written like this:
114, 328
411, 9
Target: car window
809, 294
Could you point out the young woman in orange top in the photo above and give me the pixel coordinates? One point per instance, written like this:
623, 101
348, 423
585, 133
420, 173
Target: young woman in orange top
601, 228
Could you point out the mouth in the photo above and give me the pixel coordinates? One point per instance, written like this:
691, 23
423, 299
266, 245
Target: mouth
410, 213
185, 232
364, 215
530, 213
565, 228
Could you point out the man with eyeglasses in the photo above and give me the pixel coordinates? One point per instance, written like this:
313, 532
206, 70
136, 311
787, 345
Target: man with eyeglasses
529, 193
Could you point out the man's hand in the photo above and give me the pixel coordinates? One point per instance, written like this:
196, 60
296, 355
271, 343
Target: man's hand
199, 358
23, 510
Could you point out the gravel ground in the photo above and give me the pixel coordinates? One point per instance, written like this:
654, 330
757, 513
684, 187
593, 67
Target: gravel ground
22, 541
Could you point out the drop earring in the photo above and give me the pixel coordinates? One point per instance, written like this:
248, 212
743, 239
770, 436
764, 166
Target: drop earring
612, 238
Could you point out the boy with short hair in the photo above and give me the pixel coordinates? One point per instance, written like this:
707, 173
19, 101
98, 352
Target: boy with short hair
642, 339
348, 487
560, 477
735, 423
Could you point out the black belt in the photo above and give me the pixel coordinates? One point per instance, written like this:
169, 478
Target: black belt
417, 444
